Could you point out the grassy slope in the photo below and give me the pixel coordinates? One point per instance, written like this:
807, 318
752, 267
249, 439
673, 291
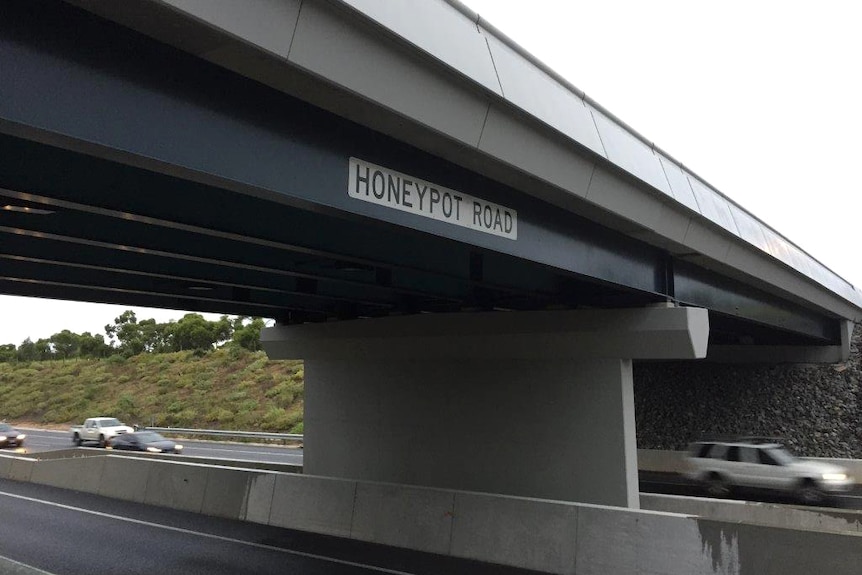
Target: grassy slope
226, 389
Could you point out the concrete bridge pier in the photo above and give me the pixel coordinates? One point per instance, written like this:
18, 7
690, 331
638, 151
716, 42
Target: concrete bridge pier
536, 404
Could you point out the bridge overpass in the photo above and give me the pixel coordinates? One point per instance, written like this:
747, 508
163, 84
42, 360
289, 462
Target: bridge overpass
446, 231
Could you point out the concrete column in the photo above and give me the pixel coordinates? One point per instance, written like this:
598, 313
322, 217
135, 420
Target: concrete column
531, 404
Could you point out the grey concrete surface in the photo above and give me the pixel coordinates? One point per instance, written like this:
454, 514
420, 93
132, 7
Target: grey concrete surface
80, 474
125, 478
21, 469
404, 516
259, 498
531, 533
317, 504
549, 536
374, 389
6, 462
226, 492
813, 518
178, 486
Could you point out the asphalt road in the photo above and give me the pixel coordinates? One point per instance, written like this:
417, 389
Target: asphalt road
69, 533
673, 484
39, 440
667, 483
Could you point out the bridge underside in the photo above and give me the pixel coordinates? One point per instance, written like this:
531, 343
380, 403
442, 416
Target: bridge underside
133, 173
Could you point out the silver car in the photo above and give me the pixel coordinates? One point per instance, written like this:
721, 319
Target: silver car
763, 464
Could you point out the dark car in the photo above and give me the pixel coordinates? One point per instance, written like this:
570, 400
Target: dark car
10, 437
145, 441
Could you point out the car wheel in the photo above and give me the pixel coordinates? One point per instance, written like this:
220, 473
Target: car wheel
102, 442
76, 440
716, 486
809, 493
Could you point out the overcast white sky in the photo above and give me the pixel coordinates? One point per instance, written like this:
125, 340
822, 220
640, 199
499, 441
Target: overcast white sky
761, 98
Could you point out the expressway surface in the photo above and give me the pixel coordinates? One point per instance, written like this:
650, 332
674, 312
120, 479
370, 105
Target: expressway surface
650, 482
43, 440
64, 532
674, 484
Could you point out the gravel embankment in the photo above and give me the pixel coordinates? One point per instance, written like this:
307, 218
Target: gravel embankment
817, 409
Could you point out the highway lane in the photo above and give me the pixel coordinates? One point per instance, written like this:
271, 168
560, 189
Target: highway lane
667, 483
69, 533
675, 484
45, 440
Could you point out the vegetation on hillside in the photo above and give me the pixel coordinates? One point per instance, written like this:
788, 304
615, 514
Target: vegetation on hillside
227, 388
187, 373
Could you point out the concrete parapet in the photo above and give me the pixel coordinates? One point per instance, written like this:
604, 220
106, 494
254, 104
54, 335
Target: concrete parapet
661, 460
769, 550
5, 466
317, 504
529, 533
226, 492
80, 474
125, 478
21, 468
176, 485
613, 540
815, 518
404, 516
259, 497
542, 535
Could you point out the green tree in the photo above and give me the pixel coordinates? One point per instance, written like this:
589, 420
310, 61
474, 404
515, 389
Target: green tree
8, 352
93, 346
44, 351
195, 332
128, 333
27, 351
246, 332
66, 344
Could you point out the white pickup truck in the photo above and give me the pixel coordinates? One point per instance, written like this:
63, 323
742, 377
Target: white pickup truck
100, 429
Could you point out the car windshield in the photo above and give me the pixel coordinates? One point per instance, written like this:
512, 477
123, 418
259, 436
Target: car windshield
110, 422
781, 455
5, 427
150, 436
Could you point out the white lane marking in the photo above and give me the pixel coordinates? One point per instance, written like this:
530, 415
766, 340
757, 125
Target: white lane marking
210, 536
20, 566
260, 452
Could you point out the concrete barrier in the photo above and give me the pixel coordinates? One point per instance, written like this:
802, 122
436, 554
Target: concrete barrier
317, 504
613, 540
5, 465
178, 486
816, 518
79, 474
259, 500
404, 516
21, 469
546, 536
125, 478
661, 461
226, 492
529, 533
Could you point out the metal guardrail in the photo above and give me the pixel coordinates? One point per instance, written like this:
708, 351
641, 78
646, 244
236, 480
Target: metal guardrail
223, 433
